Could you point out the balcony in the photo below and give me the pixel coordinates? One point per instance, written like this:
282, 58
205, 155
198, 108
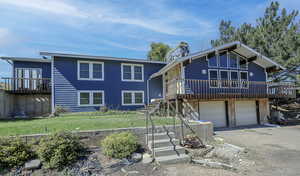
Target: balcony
218, 89
27, 85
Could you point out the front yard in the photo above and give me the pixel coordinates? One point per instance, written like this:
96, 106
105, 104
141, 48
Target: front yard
78, 122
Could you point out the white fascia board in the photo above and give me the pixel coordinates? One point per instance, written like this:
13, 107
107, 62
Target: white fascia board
100, 57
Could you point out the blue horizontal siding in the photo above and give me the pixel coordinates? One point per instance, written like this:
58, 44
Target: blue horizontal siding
194, 69
45, 66
66, 84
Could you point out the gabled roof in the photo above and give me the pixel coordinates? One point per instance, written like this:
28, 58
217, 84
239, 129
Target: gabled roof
237, 47
25, 59
99, 57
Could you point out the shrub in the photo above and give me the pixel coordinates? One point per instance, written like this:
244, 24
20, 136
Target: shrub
119, 145
14, 152
59, 150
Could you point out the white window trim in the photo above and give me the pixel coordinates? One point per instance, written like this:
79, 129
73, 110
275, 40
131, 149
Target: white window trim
133, 97
237, 61
132, 72
246, 63
241, 86
228, 78
218, 77
90, 71
237, 80
226, 60
217, 57
91, 97
23, 68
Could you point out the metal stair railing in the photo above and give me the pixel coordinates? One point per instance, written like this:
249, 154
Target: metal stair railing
184, 123
148, 117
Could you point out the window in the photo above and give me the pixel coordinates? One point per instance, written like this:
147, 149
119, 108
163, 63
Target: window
213, 77
244, 79
132, 72
132, 97
233, 60
213, 61
223, 59
234, 79
90, 70
224, 76
243, 64
91, 98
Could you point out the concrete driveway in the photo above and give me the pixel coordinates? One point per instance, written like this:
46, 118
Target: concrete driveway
275, 151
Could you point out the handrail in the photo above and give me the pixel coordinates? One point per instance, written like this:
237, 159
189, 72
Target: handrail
171, 140
212, 89
27, 85
181, 116
148, 117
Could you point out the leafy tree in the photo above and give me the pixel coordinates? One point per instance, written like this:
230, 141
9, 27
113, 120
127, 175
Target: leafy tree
275, 35
158, 51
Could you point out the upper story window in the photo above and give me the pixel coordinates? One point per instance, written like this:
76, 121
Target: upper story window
213, 77
91, 98
234, 77
90, 70
223, 59
224, 77
233, 60
244, 79
212, 61
132, 72
243, 64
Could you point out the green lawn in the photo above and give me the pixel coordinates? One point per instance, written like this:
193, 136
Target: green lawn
77, 122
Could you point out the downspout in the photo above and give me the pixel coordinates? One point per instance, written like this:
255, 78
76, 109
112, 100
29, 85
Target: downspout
148, 96
52, 85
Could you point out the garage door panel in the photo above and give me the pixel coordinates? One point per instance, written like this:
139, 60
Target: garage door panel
213, 111
246, 113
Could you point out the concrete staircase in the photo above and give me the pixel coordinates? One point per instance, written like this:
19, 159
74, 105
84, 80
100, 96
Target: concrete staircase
166, 148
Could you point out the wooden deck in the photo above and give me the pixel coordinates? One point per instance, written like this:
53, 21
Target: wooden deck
27, 85
216, 89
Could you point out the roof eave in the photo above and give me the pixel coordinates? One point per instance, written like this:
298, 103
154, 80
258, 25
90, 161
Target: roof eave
25, 59
99, 57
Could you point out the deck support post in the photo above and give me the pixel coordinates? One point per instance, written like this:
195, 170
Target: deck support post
177, 109
168, 108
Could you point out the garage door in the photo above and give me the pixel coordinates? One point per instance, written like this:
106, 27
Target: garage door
213, 111
245, 113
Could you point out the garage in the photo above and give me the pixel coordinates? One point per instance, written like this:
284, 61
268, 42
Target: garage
213, 111
245, 113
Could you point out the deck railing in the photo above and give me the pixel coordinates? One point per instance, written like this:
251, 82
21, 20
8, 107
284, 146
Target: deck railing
27, 85
215, 89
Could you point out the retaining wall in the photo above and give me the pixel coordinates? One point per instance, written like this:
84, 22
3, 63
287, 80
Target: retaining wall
92, 137
20, 105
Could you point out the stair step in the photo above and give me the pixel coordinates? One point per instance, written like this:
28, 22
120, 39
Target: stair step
158, 136
165, 151
173, 159
163, 143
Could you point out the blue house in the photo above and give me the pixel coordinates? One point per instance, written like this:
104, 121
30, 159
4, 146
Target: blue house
226, 85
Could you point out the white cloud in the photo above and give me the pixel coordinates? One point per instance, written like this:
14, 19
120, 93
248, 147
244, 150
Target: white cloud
52, 6
160, 18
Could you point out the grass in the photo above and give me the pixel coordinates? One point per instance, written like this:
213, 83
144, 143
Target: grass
78, 122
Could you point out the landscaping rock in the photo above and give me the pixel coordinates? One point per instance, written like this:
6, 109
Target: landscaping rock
213, 164
136, 157
33, 164
227, 151
147, 159
85, 167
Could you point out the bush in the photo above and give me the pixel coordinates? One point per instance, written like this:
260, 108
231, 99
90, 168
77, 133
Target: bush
119, 145
59, 150
14, 152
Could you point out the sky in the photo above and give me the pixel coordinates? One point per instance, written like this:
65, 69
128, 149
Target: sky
119, 28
